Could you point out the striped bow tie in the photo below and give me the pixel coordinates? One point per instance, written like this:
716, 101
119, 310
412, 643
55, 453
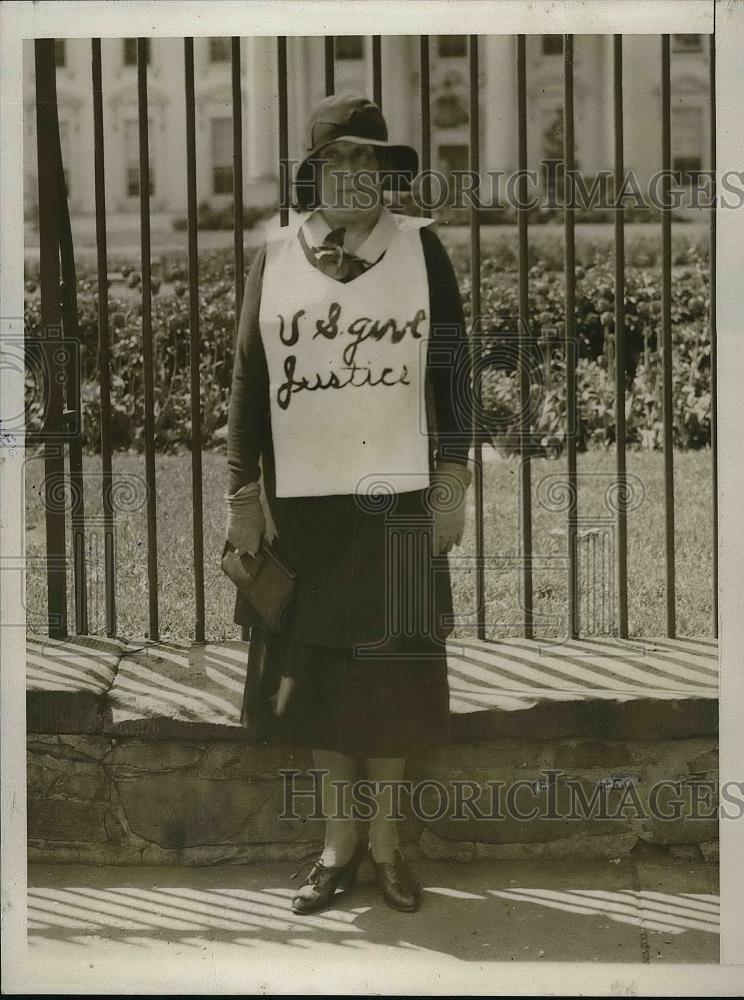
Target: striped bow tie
331, 258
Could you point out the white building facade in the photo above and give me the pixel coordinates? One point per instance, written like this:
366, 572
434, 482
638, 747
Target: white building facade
401, 99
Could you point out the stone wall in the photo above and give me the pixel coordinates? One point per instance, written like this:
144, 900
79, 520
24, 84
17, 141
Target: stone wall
106, 800
136, 753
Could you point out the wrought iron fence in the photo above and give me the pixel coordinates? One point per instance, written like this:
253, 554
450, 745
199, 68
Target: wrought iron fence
62, 403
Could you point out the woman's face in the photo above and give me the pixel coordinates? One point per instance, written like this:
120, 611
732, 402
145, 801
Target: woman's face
350, 182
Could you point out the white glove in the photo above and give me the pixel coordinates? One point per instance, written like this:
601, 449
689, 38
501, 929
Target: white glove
448, 490
245, 519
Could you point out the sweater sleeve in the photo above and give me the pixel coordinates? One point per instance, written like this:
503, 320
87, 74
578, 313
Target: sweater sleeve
449, 362
248, 406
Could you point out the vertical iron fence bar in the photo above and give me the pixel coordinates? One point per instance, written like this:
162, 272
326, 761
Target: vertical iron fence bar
330, 65
425, 125
525, 476
284, 178
47, 130
570, 336
713, 332
476, 330
621, 542
195, 343
104, 347
73, 399
237, 116
666, 327
144, 193
238, 253
377, 69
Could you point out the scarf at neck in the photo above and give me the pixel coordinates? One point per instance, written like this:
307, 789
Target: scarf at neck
332, 259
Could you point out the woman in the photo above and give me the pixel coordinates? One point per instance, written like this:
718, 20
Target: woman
351, 384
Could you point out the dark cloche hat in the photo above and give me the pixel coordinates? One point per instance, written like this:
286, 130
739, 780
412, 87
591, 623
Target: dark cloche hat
354, 118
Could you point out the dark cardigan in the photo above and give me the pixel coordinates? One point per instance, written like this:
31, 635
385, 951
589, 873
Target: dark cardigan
338, 547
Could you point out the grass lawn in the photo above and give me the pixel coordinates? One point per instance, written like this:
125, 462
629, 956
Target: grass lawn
501, 476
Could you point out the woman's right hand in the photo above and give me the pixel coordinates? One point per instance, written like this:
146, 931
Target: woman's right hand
246, 523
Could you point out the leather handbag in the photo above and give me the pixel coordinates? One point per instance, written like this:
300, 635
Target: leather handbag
264, 580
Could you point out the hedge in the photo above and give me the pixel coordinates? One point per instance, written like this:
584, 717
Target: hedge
594, 320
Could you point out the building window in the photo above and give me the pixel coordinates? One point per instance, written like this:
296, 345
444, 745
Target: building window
687, 169
131, 143
130, 51
552, 45
686, 43
450, 108
60, 52
553, 153
453, 156
451, 46
219, 50
349, 46
687, 142
222, 156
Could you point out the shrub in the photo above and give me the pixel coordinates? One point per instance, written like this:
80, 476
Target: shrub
595, 400
594, 303
209, 217
171, 364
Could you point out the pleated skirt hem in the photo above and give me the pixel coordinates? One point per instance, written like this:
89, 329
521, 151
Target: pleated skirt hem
341, 700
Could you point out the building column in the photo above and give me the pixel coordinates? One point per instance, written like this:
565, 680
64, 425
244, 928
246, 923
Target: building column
299, 53
498, 62
261, 109
399, 101
606, 61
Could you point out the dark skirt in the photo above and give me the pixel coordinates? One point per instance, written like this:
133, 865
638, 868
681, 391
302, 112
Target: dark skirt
384, 707
367, 582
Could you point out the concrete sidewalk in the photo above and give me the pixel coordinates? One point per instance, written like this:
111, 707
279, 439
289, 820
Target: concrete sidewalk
225, 921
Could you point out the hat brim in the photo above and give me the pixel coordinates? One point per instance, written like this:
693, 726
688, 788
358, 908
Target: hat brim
400, 162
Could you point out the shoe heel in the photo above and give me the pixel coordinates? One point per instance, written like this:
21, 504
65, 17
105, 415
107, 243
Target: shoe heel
351, 869
347, 880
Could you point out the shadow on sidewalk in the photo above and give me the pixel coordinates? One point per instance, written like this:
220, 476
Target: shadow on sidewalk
518, 912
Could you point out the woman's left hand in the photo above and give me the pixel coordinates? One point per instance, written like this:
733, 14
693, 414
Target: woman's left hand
449, 488
270, 532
